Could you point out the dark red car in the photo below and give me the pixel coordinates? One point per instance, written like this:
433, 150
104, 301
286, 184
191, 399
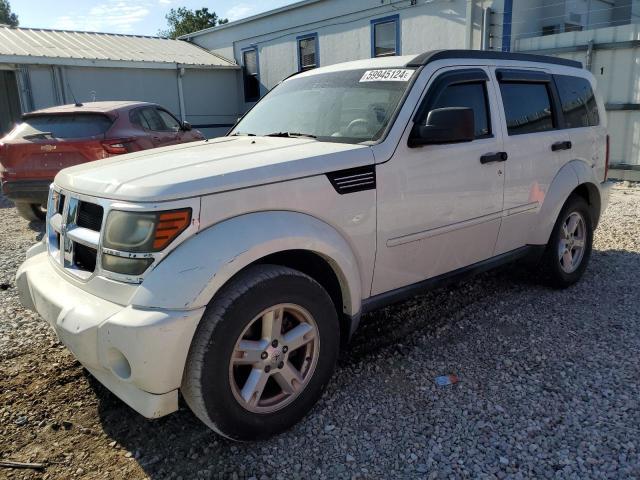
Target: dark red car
55, 138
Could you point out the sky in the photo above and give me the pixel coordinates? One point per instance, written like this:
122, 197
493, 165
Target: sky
139, 17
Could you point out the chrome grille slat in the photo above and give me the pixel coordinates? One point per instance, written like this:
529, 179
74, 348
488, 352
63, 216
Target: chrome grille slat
85, 236
56, 222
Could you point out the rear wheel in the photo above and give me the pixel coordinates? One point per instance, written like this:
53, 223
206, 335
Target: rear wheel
31, 211
569, 249
263, 353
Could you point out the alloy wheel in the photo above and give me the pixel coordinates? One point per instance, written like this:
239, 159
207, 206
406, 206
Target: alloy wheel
274, 358
571, 246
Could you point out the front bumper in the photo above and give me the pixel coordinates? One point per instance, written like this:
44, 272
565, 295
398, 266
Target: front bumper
138, 354
32, 191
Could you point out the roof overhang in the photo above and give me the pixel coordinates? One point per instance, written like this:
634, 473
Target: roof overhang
78, 62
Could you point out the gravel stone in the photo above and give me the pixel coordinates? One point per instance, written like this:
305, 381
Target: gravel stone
548, 386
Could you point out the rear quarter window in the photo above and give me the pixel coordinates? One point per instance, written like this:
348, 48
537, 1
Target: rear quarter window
579, 105
84, 125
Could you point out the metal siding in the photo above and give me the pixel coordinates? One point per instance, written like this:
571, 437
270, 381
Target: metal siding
204, 103
98, 84
42, 88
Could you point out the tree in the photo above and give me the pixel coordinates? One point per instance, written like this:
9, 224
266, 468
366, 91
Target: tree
183, 20
6, 17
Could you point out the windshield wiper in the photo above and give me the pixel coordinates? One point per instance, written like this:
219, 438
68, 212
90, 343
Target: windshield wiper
290, 135
240, 134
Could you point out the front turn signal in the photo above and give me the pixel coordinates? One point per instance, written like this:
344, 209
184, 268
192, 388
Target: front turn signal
169, 226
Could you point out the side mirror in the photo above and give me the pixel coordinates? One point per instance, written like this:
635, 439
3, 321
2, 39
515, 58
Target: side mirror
444, 125
186, 126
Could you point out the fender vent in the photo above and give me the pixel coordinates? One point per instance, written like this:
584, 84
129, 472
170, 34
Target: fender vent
353, 179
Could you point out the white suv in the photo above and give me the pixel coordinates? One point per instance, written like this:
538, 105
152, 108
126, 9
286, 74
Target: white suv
232, 270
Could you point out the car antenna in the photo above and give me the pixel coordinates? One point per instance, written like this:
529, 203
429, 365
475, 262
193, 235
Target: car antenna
75, 101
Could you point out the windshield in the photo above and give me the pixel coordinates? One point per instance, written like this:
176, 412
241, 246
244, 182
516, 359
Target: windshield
350, 106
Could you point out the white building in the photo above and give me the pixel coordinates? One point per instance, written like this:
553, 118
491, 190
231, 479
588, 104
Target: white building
275, 44
311, 33
42, 68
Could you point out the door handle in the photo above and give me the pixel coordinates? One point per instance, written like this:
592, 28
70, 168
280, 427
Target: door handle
566, 145
494, 157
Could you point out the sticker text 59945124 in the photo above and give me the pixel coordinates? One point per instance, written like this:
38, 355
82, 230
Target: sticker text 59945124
387, 75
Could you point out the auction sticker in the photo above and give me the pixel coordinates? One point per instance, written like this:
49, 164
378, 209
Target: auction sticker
387, 75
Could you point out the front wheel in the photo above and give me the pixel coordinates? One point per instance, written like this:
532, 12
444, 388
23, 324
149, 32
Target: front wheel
264, 351
569, 249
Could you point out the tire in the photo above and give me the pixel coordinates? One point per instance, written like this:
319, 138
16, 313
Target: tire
560, 270
33, 212
215, 388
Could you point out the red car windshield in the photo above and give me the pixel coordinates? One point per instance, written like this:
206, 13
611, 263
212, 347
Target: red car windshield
84, 125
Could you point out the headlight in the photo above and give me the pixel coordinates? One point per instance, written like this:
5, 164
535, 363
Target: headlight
139, 232
144, 231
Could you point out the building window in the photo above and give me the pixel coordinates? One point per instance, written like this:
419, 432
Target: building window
251, 72
308, 52
549, 30
385, 36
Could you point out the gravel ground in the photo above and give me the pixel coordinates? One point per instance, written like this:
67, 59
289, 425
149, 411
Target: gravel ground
549, 386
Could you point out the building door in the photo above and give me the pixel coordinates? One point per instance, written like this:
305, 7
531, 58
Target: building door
9, 101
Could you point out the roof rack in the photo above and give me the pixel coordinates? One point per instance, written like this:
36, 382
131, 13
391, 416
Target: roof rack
432, 56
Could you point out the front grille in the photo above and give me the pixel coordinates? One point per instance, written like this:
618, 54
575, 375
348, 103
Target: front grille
84, 257
90, 216
73, 230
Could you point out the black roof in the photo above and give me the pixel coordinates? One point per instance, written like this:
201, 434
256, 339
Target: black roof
432, 56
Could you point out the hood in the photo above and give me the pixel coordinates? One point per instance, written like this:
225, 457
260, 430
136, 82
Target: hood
201, 168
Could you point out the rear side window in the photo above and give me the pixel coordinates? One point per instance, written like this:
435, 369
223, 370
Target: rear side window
527, 107
170, 123
578, 102
148, 118
470, 95
137, 119
83, 125
153, 119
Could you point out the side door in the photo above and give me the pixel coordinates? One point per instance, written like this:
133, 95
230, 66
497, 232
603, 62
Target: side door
533, 142
582, 123
439, 206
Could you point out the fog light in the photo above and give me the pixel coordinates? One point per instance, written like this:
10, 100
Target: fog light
118, 363
124, 265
